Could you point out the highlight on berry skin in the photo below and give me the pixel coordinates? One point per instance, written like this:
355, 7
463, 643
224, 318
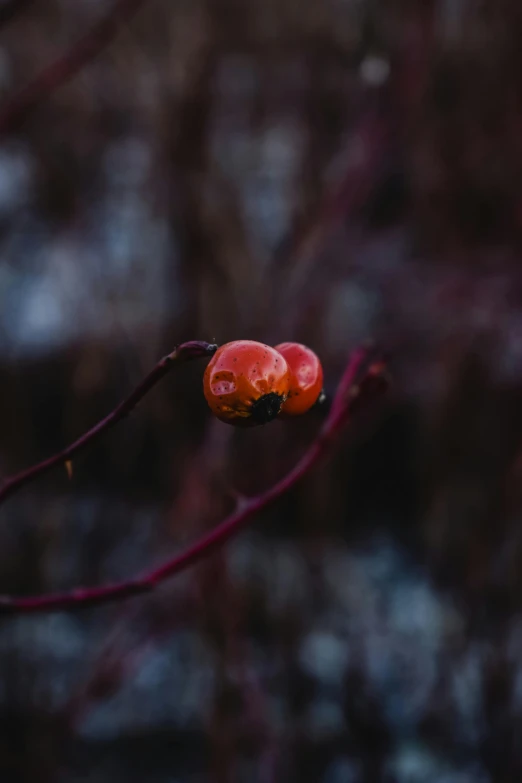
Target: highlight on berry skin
246, 383
306, 379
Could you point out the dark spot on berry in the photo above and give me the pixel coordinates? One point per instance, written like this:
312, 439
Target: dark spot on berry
266, 408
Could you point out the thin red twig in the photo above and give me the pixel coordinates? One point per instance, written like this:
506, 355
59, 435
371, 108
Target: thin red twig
183, 353
362, 379
66, 66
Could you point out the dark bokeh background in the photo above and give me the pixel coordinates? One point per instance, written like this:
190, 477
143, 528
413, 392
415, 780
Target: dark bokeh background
327, 171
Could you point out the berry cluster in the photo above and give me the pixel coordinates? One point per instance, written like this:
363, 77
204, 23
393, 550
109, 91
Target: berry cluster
247, 383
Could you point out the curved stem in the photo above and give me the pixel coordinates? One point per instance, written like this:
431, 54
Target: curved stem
362, 380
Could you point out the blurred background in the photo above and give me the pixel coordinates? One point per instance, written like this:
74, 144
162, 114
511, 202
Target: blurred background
324, 171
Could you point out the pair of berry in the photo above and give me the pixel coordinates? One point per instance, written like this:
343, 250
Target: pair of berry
247, 383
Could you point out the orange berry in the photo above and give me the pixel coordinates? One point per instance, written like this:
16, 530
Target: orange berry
246, 383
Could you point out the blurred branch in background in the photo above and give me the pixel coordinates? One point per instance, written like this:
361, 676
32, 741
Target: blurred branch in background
13, 111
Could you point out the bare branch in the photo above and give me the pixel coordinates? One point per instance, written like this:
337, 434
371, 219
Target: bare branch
363, 379
194, 349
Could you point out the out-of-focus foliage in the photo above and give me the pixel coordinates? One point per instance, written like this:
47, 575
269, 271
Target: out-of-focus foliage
322, 171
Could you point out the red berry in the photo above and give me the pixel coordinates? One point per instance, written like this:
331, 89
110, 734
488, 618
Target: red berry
246, 383
306, 378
